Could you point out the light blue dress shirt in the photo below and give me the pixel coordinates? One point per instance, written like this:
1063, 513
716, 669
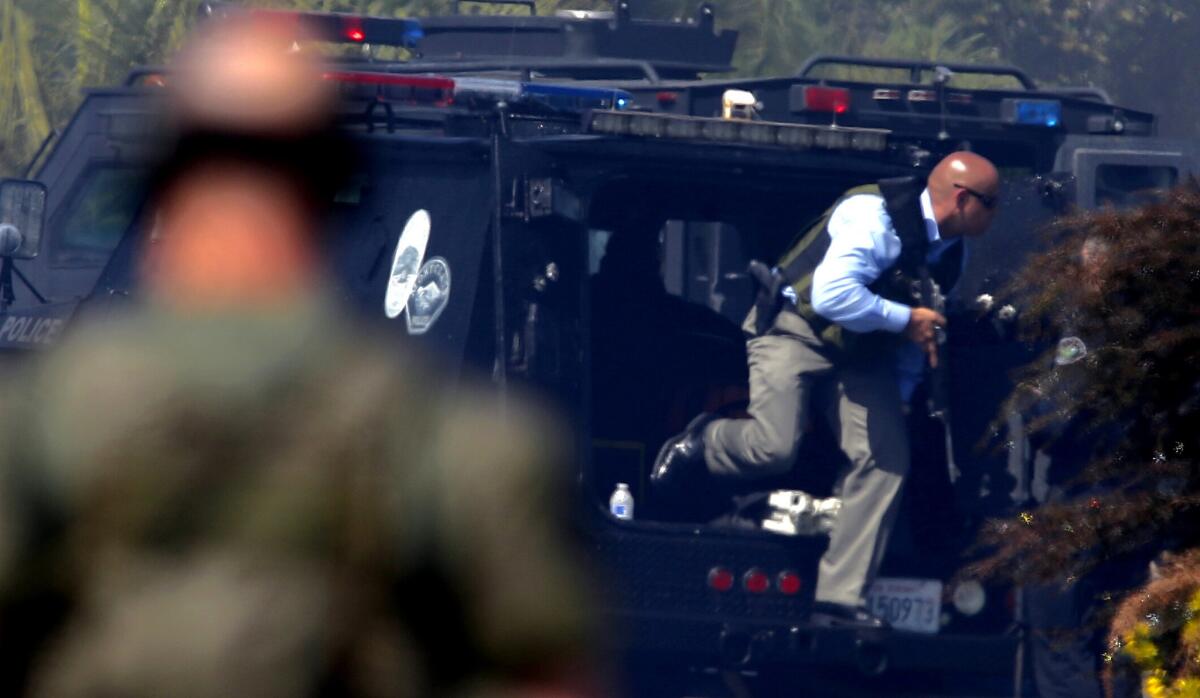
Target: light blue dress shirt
863, 243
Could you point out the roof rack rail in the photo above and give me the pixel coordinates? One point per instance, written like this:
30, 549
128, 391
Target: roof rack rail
574, 68
1095, 94
916, 68
526, 3
335, 27
582, 44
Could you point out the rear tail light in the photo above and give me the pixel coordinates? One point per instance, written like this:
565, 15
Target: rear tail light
788, 583
756, 581
720, 579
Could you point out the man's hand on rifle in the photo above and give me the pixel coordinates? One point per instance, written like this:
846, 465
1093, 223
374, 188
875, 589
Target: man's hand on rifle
922, 328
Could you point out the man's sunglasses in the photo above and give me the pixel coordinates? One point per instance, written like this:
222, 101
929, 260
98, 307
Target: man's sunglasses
988, 200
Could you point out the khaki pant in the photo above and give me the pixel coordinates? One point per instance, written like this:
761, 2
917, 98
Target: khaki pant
862, 403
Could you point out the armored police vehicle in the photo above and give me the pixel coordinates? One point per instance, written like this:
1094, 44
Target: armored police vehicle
563, 202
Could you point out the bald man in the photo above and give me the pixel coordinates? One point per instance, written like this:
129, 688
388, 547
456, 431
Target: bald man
850, 320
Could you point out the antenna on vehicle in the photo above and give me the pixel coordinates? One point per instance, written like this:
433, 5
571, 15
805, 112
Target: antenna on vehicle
941, 78
621, 11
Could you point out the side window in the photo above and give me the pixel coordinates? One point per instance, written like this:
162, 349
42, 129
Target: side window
1132, 185
100, 211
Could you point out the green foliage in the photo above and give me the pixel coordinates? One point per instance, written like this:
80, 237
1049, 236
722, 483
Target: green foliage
51, 49
1128, 409
22, 106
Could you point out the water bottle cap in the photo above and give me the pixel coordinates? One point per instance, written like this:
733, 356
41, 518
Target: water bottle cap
622, 486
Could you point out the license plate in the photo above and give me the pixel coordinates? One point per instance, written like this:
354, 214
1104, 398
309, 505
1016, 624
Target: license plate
907, 604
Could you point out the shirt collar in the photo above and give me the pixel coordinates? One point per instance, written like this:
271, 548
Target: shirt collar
931, 226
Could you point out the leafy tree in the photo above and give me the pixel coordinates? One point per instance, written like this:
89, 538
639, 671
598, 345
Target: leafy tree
23, 113
1131, 48
1124, 390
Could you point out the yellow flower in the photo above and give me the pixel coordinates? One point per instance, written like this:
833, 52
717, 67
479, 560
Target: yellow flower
1191, 631
1141, 647
1154, 687
1186, 688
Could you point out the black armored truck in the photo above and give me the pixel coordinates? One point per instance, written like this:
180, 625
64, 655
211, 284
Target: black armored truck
569, 203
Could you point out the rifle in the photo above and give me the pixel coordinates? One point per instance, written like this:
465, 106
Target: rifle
930, 296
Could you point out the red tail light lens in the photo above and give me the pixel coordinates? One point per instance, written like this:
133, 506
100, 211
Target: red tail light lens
720, 579
756, 581
788, 583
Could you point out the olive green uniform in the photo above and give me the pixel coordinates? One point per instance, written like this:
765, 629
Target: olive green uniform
276, 504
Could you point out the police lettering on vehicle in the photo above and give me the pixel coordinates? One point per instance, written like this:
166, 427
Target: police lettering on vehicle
24, 329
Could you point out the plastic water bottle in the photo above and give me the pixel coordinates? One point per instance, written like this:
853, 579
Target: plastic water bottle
620, 504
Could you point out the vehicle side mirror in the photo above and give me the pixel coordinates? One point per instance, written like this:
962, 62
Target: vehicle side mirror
22, 217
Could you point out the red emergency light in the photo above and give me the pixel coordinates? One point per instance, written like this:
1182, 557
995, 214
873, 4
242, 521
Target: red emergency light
422, 89
424, 82
835, 100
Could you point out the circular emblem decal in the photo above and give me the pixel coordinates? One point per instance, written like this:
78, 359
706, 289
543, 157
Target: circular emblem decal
430, 296
406, 263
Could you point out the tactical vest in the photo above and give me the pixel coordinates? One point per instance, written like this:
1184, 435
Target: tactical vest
899, 283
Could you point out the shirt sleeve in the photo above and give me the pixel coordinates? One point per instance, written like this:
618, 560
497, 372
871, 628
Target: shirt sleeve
863, 244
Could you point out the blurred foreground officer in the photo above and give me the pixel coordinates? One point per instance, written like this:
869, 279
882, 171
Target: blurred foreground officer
231, 491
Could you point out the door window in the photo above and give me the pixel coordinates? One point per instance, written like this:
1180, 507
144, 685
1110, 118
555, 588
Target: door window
98, 215
1132, 185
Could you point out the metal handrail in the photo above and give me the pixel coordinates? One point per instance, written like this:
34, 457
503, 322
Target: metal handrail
518, 64
915, 68
527, 3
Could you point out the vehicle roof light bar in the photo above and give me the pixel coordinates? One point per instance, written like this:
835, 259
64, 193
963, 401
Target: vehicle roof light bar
430, 82
421, 89
567, 96
334, 27
734, 131
440, 90
562, 97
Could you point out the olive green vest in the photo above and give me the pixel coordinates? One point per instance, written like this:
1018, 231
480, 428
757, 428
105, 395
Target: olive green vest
902, 197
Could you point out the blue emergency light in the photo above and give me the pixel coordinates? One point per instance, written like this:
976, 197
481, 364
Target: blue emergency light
566, 97
1033, 112
571, 97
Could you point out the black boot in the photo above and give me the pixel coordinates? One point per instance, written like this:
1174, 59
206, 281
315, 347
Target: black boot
680, 454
